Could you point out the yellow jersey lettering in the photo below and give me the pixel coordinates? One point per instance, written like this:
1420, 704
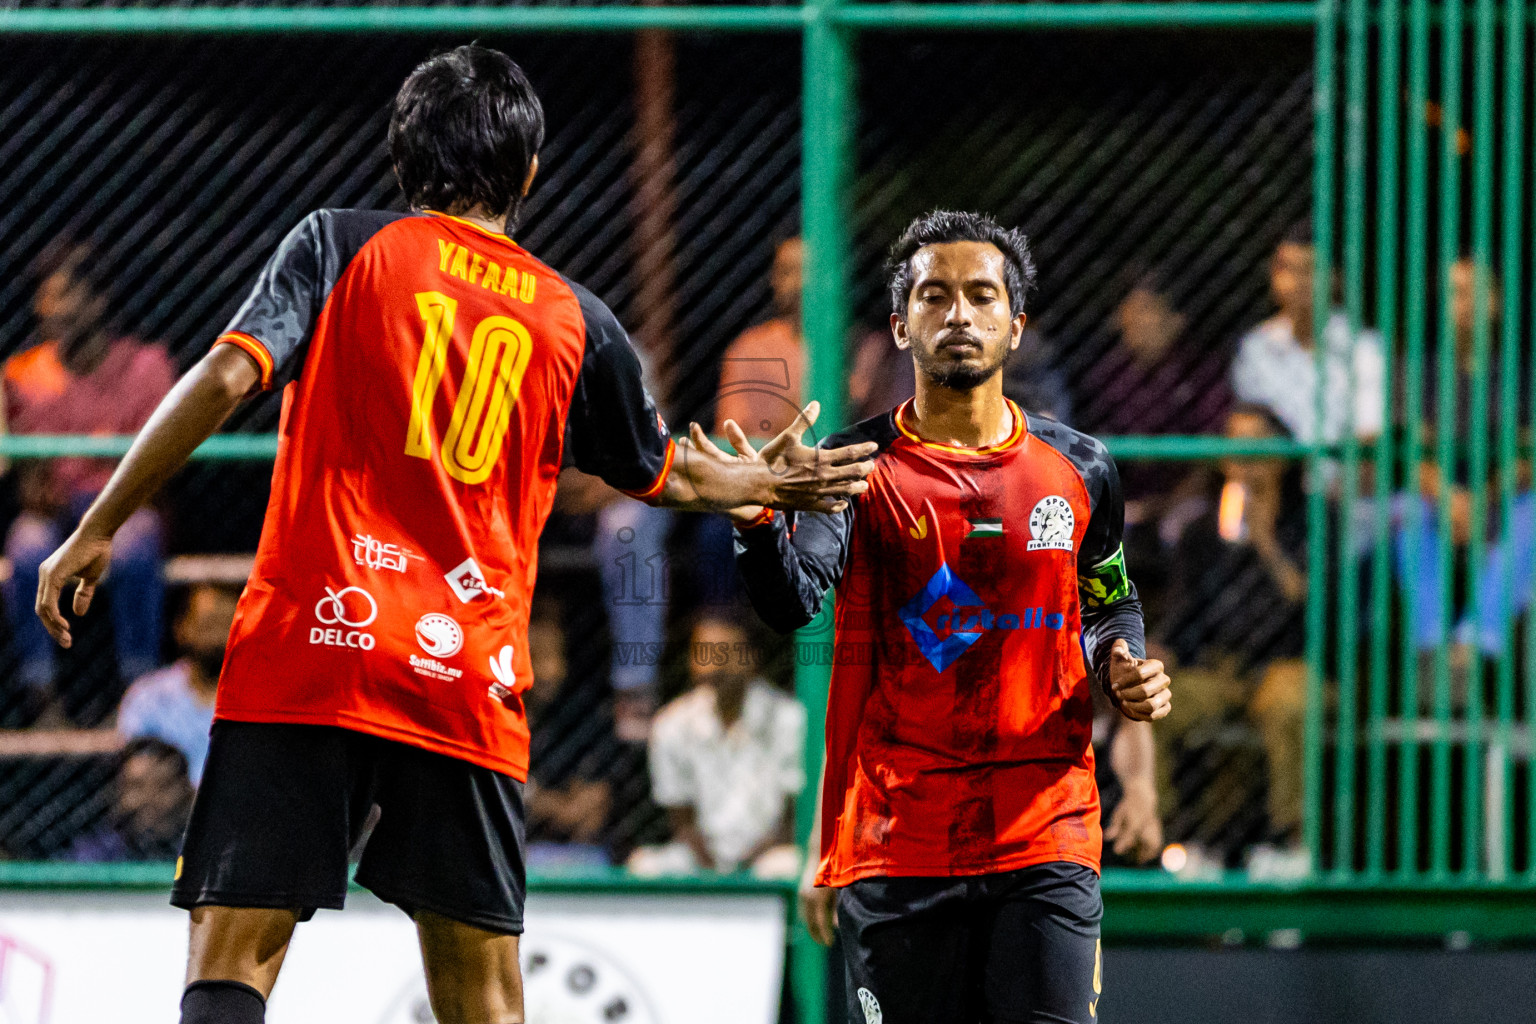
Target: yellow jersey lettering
476, 265
525, 291
460, 266
492, 278
509, 282
445, 250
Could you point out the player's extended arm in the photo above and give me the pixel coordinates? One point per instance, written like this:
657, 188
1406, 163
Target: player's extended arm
786, 474
787, 560
196, 407
818, 904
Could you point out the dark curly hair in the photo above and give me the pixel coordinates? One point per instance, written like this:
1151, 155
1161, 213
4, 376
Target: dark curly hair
940, 226
465, 128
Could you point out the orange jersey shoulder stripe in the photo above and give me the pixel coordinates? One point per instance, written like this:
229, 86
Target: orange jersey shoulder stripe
661, 477
253, 348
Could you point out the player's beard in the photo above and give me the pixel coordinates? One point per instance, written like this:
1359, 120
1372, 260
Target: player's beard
959, 376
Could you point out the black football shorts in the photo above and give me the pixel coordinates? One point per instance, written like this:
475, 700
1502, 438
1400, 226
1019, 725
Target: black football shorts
281, 807
1020, 947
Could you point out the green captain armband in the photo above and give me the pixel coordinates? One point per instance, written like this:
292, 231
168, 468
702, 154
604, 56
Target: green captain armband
1106, 582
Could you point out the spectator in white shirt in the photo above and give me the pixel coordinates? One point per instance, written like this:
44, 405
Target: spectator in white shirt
726, 762
175, 704
1276, 365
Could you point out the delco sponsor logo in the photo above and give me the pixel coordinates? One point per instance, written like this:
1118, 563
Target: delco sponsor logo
343, 615
373, 553
468, 583
434, 669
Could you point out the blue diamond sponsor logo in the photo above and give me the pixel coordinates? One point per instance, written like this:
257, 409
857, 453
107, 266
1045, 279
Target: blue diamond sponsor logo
947, 617
941, 648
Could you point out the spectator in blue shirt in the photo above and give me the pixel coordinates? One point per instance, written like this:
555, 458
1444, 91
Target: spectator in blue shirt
175, 704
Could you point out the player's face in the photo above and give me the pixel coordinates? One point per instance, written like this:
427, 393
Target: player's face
958, 323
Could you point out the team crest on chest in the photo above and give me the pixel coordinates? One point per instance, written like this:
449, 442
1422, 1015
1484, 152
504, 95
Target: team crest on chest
1051, 524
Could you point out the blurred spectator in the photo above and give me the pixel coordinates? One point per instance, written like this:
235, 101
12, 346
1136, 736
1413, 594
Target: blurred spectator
1152, 381
1033, 378
1238, 630
1276, 367
880, 377
569, 792
726, 762
151, 802
175, 704
762, 371
81, 377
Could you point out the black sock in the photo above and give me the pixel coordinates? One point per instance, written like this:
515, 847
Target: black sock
222, 1002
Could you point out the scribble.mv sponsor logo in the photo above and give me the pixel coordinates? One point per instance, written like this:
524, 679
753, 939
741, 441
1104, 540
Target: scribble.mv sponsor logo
439, 635
347, 612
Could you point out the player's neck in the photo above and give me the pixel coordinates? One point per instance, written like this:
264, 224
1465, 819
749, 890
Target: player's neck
978, 418
481, 218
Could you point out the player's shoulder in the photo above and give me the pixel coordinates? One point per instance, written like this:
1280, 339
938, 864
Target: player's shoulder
880, 429
1087, 453
348, 228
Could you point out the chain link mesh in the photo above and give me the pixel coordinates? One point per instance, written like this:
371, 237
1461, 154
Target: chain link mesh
1127, 158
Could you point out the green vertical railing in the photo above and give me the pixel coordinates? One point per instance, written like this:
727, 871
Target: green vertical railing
1389, 67
828, 111
1325, 61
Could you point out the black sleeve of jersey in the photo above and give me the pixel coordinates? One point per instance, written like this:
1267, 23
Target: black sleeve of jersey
1111, 609
613, 429
788, 565
281, 310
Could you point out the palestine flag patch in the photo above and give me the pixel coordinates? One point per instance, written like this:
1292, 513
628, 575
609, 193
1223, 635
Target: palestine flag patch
984, 528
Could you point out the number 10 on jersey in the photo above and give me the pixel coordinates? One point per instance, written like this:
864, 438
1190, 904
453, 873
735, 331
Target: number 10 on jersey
493, 373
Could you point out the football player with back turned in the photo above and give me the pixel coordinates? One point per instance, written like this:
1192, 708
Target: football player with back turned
981, 592
435, 377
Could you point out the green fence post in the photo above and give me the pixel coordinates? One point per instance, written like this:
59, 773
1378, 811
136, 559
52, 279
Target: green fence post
1473, 813
827, 157
1446, 448
1415, 251
1347, 721
1324, 98
1387, 92
1509, 394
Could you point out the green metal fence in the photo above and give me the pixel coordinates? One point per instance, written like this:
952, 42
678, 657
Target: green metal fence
1419, 792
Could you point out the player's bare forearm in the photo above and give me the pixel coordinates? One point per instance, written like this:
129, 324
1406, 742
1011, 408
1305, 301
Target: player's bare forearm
818, 905
196, 406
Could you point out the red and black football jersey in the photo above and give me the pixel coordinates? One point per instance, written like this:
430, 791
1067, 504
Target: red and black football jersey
970, 583
435, 376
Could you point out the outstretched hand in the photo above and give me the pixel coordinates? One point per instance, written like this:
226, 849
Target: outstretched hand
795, 475
82, 559
1139, 686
